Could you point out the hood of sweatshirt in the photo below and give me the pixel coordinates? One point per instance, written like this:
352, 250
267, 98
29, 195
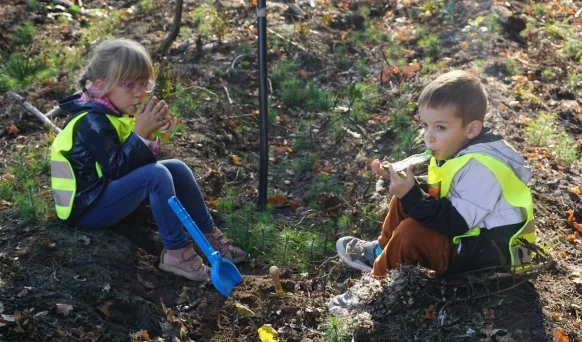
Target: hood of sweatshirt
492, 144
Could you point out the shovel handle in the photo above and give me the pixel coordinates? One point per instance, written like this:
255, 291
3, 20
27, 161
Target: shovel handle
274, 271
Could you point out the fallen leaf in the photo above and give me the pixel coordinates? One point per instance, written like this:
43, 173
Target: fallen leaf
63, 309
213, 202
571, 238
144, 335
235, 159
48, 244
430, 313
244, 310
577, 226
559, 335
12, 129
267, 333
277, 200
570, 213
105, 308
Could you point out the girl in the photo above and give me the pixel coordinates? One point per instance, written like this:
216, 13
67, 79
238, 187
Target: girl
103, 163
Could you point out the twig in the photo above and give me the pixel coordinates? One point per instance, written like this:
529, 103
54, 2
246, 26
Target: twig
288, 40
227, 94
174, 31
67, 5
32, 109
55, 112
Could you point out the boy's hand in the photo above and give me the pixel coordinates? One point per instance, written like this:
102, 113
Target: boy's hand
399, 185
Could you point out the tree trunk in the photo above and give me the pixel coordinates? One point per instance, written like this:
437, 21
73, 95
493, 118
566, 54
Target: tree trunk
174, 31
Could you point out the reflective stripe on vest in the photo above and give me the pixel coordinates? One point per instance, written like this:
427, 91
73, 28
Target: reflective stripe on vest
63, 181
515, 192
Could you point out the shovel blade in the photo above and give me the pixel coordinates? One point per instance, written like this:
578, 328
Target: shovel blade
225, 276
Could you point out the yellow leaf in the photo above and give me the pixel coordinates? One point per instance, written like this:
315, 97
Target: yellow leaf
574, 190
243, 310
235, 159
267, 333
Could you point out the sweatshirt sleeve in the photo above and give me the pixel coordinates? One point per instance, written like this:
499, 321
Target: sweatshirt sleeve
116, 159
473, 195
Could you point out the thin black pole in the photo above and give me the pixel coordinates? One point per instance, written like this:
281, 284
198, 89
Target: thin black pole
263, 111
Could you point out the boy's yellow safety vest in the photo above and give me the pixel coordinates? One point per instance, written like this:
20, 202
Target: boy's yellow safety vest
63, 181
515, 192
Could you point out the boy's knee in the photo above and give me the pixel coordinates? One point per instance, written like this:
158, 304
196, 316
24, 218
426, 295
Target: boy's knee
409, 232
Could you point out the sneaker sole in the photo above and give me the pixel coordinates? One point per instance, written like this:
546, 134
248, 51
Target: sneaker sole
184, 274
341, 252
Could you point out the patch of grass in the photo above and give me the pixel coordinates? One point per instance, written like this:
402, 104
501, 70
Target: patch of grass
334, 330
183, 103
210, 21
492, 23
305, 161
363, 69
102, 29
548, 75
430, 45
22, 186
283, 70
573, 80
18, 72
342, 61
539, 9
23, 34
543, 132
526, 97
511, 67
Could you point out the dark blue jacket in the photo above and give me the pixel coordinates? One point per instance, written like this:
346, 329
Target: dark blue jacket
95, 140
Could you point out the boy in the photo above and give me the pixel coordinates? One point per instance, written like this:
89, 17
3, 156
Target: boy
478, 210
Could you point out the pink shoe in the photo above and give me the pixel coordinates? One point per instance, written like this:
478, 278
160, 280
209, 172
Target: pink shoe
184, 262
222, 244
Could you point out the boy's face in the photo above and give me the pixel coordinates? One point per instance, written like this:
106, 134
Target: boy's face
444, 132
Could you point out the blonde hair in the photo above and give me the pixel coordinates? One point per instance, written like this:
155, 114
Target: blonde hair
116, 61
460, 89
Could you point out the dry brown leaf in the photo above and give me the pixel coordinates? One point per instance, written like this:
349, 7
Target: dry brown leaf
63, 309
12, 129
430, 312
571, 238
144, 335
48, 244
570, 213
277, 200
577, 226
213, 202
559, 335
105, 308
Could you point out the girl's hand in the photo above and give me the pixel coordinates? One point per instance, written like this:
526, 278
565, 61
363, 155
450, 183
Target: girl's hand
399, 185
150, 117
379, 170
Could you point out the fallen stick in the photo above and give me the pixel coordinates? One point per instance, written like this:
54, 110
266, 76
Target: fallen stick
32, 109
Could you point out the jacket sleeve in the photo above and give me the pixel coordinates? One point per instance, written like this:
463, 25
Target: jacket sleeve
116, 159
473, 195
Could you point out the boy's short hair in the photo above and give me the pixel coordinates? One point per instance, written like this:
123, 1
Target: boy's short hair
460, 89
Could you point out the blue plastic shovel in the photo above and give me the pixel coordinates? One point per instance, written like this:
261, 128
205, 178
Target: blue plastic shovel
224, 275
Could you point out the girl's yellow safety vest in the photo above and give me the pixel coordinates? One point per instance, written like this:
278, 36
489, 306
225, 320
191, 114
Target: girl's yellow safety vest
515, 192
63, 181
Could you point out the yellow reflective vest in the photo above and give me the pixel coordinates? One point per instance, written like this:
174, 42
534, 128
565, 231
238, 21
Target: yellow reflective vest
515, 192
63, 181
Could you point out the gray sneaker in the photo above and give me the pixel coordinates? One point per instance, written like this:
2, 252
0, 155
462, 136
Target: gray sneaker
358, 253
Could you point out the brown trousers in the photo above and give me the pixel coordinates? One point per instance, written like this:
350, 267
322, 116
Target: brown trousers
405, 241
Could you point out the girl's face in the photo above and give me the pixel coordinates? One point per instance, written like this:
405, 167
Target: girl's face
127, 95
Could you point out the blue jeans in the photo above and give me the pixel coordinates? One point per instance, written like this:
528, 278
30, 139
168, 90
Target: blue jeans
156, 182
